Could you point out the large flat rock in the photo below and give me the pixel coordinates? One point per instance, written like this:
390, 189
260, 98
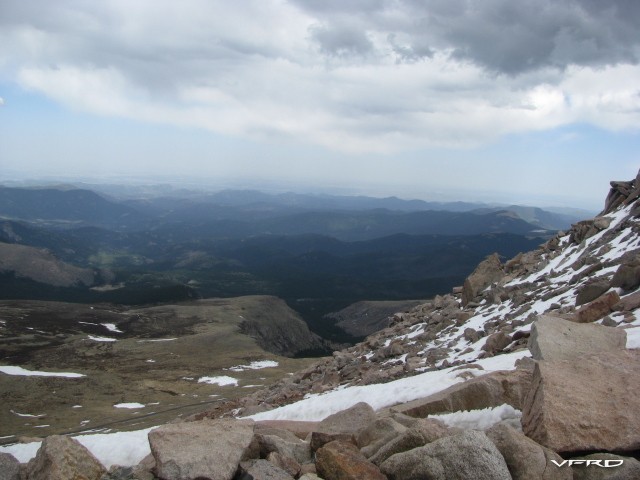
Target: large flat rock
554, 338
207, 450
585, 404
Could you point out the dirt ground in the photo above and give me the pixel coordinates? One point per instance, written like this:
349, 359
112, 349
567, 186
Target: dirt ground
156, 360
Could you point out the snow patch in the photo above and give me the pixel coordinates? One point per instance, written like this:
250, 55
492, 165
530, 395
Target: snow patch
34, 373
122, 448
633, 337
159, 340
220, 381
258, 365
479, 419
111, 327
129, 405
102, 339
318, 407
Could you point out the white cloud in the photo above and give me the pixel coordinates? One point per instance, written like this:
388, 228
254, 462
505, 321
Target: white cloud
1, 101
349, 80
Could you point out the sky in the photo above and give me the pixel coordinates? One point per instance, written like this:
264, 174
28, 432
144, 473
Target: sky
520, 101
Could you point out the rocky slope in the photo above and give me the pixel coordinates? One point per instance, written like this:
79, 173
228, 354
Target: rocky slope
40, 265
547, 343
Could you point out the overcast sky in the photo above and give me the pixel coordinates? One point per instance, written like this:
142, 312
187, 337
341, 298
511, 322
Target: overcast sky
510, 100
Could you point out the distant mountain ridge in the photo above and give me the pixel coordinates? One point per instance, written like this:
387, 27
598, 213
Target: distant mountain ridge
68, 207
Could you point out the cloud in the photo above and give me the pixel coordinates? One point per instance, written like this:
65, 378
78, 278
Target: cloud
1, 101
383, 77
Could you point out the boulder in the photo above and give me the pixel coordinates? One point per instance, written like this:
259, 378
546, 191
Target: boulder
382, 429
585, 405
293, 448
63, 458
525, 458
629, 470
300, 429
143, 470
278, 432
628, 303
459, 457
9, 467
553, 338
350, 421
260, 470
208, 449
487, 272
471, 335
597, 309
319, 439
343, 461
496, 342
590, 291
407, 441
490, 390
287, 464
427, 431
627, 276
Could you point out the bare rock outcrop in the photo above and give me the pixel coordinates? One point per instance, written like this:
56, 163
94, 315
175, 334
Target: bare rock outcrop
627, 276
525, 458
9, 467
488, 271
459, 457
63, 458
343, 461
553, 338
622, 193
350, 421
598, 308
585, 405
206, 449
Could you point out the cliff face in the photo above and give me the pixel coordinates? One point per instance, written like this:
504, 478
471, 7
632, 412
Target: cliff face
280, 330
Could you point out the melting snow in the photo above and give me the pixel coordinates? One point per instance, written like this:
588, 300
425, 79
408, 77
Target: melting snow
111, 327
102, 339
221, 381
479, 419
318, 407
28, 414
258, 365
129, 405
158, 340
34, 373
121, 448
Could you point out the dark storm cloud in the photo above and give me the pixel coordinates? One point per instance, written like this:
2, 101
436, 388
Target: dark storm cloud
357, 76
503, 36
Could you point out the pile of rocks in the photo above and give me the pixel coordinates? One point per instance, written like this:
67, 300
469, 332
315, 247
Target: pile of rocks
578, 398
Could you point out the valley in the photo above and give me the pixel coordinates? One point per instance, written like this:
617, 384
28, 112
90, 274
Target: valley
155, 303
163, 362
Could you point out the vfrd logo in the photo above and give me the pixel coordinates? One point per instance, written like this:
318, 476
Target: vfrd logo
589, 463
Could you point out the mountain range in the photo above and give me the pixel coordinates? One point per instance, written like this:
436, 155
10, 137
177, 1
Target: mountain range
526, 369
